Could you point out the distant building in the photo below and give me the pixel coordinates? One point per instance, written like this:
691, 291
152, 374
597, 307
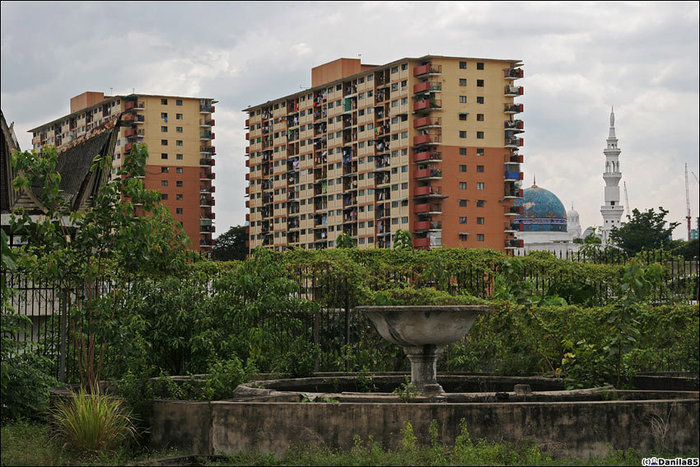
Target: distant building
544, 224
429, 145
179, 136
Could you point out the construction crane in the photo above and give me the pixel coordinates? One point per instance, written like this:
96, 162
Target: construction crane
627, 200
687, 200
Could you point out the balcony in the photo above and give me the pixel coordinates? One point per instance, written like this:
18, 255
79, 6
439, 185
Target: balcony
206, 162
428, 191
427, 105
514, 243
513, 142
203, 122
420, 226
426, 87
206, 108
427, 208
427, 156
513, 193
514, 125
428, 70
421, 242
514, 91
426, 139
514, 227
206, 135
130, 132
426, 122
427, 174
513, 108
513, 73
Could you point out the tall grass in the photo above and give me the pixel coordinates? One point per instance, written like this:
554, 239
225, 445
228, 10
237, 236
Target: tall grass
93, 423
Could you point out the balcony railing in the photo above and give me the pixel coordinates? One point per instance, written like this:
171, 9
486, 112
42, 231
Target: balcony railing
513, 73
427, 173
422, 191
513, 142
514, 243
426, 122
512, 91
513, 108
428, 69
427, 156
513, 125
421, 242
427, 87
426, 139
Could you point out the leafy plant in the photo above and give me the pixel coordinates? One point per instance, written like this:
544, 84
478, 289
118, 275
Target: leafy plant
407, 391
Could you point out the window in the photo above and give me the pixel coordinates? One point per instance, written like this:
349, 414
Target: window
163, 183
479, 185
462, 185
164, 156
462, 116
178, 102
462, 65
178, 157
164, 129
178, 129
462, 133
394, 69
479, 83
479, 168
178, 210
480, 220
480, 151
462, 220
463, 237
178, 183
164, 170
404, 66
462, 81
179, 117
479, 65
178, 197
479, 117
164, 196
178, 170
164, 102
462, 151
479, 135
462, 203
178, 143
480, 203
163, 142
462, 99
463, 168
480, 99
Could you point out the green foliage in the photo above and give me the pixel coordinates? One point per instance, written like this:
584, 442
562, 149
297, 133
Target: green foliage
644, 230
403, 239
406, 391
93, 422
344, 240
422, 296
231, 245
224, 376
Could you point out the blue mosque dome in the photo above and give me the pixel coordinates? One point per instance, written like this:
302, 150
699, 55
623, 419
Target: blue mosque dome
542, 211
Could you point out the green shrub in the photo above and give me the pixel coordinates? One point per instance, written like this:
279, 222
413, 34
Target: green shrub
26, 381
93, 423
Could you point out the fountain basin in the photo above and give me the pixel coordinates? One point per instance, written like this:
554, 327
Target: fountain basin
423, 331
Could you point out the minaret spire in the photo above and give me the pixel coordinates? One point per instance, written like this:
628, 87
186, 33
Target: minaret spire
612, 209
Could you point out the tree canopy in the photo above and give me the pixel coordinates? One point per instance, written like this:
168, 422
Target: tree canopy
644, 231
231, 245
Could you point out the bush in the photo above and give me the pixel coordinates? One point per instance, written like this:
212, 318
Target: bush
25, 386
93, 423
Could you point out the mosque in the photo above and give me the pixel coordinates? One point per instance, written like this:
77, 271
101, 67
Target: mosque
544, 223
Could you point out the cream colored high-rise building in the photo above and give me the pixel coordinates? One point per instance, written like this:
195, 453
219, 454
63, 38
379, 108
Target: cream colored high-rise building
178, 132
429, 145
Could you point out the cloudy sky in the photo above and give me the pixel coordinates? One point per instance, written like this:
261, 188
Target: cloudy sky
580, 59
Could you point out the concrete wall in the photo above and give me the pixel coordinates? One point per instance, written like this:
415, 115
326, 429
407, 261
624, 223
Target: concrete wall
561, 428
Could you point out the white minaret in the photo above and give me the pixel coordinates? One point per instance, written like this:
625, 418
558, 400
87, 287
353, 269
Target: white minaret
612, 209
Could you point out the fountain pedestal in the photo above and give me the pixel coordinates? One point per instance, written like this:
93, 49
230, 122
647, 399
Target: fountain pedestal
423, 332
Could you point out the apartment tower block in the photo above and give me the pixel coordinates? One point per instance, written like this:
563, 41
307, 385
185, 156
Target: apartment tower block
178, 134
429, 145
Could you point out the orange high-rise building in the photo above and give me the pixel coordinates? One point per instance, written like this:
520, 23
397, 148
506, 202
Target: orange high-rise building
429, 145
178, 134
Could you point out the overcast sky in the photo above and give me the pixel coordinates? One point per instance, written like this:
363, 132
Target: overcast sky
580, 59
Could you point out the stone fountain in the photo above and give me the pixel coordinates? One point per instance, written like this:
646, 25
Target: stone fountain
423, 332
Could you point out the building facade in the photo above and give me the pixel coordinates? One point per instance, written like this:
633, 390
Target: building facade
429, 145
178, 132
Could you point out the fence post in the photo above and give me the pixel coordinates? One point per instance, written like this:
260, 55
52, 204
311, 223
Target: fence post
63, 323
347, 325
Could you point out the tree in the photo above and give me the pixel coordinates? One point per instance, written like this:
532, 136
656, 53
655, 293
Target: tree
403, 240
231, 245
644, 231
344, 240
